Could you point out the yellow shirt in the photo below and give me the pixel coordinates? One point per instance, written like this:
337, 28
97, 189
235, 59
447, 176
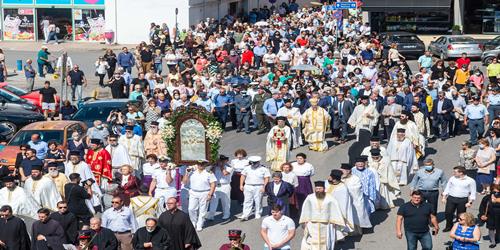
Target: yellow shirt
493, 69
462, 76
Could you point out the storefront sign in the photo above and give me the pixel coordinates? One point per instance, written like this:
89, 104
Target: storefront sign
18, 24
17, 1
89, 25
53, 2
88, 2
346, 5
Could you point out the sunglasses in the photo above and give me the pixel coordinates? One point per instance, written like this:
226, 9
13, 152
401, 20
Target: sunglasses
115, 202
460, 219
112, 139
62, 207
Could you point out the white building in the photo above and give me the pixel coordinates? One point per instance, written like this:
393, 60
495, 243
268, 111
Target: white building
131, 19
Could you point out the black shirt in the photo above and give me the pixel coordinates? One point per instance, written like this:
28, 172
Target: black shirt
75, 196
48, 94
416, 217
76, 77
451, 72
27, 165
146, 56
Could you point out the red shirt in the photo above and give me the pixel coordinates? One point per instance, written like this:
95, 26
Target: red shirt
461, 61
301, 41
100, 164
247, 56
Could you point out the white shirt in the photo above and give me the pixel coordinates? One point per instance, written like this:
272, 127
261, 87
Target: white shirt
200, 181
238, 165
306, 169
160, 176
148, 169
255, 176
290, 178
461, 188
276, 188
124, 179
277, 230
221, 178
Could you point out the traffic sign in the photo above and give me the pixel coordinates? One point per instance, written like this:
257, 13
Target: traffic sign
345, 5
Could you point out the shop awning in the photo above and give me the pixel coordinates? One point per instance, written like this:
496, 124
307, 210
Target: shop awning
406, 5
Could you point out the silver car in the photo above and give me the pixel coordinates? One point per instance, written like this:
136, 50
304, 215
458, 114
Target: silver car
453, 46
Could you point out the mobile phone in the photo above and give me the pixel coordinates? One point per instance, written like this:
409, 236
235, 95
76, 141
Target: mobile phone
433, 232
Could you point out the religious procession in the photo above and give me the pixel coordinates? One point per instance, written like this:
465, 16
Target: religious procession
173, 166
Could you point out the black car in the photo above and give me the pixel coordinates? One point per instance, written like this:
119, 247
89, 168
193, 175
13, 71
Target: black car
408, 44
15, 116
99, 110
5, 133
9, 97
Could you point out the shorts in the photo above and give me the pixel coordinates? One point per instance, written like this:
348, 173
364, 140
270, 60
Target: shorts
48, 106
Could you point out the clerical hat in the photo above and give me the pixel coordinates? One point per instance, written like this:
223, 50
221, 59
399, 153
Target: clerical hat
406, 112
346, 166
375, 152
223, 158
74, 152
130, 128
8, 179
37, 167
51, 164
234, 234
361, 159
95, 141
319, 184
375, 138
84, 234
280, 118
401, 130
336, 174
363, 97
155, 123
164, 159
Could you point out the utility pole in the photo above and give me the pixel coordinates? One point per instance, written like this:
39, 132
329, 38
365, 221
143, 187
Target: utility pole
63, 82
176, 24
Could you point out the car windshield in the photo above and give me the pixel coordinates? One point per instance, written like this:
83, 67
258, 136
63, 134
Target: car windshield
91, 113
462, 40
15, 90
24, 136
405, 39
10, 97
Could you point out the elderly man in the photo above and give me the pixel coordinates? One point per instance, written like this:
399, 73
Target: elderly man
374, 144
98, 131
119, 153
388, 183
134, 146
278, 144
252, 182
17, 198
42, 189
315, 123
292, 115
40, 146
411, 133
342, 110
103, 237
391, 113
151, 236
365, 116
58, 178
402, 155
153, 142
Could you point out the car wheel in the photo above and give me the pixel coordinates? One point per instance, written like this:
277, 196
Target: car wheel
488, 60
11, 126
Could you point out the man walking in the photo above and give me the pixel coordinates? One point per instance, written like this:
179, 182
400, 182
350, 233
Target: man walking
121, 221
253, 180
476, 116
13, 233
427, 180
277, 230
48, 100
46, 233
126, 60
458, 195
441, 115
76, 79
416, 215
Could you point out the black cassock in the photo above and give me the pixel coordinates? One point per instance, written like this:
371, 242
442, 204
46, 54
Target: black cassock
53, 232
14, 234
104, 239
69, 224
180, 229
357, 147
159, 238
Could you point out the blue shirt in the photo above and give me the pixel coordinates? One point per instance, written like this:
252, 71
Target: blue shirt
425, 61
29, 71
259, 50
137, 130
427, 181
207, 104
475, 111
120, 220
271, 106
494, 99
367, 55
126, 59
220, 100
41, 148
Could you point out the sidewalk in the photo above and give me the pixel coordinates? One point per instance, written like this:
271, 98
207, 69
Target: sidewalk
67, 46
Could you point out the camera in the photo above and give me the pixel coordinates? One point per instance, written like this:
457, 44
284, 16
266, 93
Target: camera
88, 182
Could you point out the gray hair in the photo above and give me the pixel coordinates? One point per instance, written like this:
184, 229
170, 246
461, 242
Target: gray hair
277, 174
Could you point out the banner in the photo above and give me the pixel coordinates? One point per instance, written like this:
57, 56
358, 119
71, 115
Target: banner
89, 25
18, 24
88, 2
17, 1
53, 2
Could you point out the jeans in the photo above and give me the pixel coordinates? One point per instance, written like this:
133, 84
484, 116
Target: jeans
243, 121
452, 204
76, 92
493, 111
222, 116
476, 129
158, 68
412, 240
50, 70
101, 79
52, 36
257, 61
128, 69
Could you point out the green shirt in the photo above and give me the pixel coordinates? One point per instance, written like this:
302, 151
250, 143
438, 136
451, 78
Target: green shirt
493, 69
42, 54
328, 61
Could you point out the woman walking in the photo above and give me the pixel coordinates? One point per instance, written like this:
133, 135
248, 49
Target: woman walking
489, 212
466, 233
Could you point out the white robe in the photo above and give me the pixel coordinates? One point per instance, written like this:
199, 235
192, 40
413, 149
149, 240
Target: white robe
411, 133
403, 159
366, 151
43, 191
293, 117
341, 194
135, 150
119, 156
145, 207
20, 201
322, 220
362, 218
360, 120
275, 155
389, 186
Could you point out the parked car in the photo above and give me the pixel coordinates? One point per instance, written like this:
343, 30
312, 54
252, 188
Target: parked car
9, 97
492, 44
99, 110
488, 55
15, 116
32, 97
60, 131
5, 133
452, 46
408, 44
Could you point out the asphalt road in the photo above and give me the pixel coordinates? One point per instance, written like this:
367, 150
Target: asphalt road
445, 155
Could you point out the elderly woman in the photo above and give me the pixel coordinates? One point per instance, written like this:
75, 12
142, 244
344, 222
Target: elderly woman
128, 184
485, 160
467, 156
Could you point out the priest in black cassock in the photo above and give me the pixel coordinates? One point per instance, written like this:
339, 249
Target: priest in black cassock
151, 236
47, 233
67, 220
13, 233
102, 237
179, 227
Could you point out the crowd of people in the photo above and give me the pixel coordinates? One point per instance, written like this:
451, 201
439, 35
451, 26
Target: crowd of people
296, 75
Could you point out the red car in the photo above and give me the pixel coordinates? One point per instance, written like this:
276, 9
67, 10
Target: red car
32, 97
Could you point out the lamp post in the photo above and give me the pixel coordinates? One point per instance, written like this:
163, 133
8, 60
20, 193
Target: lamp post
176, 24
